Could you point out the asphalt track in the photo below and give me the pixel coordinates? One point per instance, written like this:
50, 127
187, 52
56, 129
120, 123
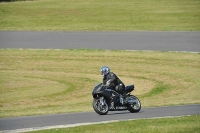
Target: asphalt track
29, 123
158, 41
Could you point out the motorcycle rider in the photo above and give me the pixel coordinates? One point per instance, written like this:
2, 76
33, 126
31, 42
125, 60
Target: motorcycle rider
110, 79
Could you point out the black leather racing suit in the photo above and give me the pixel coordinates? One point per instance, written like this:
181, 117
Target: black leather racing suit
115, 82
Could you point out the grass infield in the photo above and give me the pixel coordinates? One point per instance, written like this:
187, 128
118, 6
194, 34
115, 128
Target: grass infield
59, 81
101, 15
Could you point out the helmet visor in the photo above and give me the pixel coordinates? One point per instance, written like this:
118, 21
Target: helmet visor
102, 72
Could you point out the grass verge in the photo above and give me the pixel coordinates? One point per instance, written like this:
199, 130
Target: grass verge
57, 81
187, 124
101, 15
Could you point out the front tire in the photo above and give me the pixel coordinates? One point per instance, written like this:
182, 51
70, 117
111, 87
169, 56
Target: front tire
134, 106
100, 107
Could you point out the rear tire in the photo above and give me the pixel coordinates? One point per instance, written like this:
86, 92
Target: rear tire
98, 107
136, 106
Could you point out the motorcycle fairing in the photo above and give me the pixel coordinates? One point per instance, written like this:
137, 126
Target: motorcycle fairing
106, 92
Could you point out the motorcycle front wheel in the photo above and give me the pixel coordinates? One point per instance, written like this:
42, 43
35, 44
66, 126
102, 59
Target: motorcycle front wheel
134, 106
100, 106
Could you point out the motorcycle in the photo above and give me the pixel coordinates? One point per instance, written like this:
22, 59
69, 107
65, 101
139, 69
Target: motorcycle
106, 99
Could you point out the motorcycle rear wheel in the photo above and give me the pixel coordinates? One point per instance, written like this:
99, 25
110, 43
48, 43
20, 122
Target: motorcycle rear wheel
135, 107
98, 107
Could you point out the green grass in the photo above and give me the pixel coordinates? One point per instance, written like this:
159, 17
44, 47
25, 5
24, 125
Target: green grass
158, 89
187, 124
101, 15
36, 82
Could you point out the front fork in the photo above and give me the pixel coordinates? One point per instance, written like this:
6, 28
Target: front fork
102, 101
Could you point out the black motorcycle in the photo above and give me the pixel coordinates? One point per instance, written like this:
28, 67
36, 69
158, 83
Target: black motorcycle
106, 99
